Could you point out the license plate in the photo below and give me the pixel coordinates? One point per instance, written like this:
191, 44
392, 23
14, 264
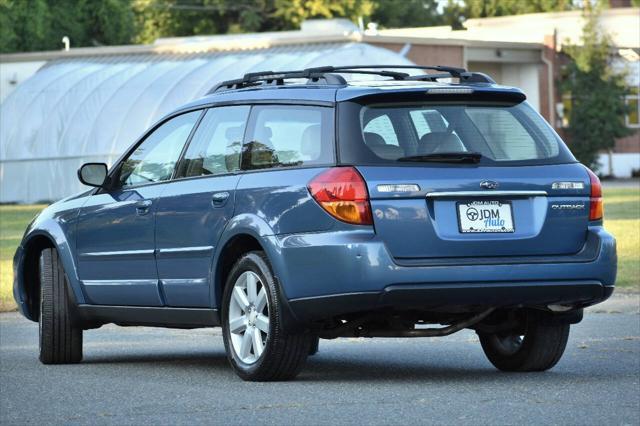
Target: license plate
485, 216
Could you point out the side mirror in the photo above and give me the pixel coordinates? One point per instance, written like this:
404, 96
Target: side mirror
93, 174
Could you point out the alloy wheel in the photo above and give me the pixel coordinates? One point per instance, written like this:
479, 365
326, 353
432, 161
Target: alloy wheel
248, 317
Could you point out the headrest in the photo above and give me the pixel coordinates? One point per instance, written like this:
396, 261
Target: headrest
373, 139
435, 142
311, 143
376, 143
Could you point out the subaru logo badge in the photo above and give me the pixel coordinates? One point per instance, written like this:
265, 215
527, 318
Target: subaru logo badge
488, 184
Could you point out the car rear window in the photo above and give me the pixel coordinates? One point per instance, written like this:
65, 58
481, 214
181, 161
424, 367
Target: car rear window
504, 134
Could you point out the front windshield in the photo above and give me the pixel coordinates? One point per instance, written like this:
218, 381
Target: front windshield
500, 133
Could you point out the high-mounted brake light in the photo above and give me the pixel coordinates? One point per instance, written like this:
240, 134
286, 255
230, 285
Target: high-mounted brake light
450, 91
596, 209
342, 192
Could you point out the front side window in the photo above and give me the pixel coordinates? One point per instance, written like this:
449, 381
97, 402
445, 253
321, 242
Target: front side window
215, 146
288, 136
496, 133
155, 158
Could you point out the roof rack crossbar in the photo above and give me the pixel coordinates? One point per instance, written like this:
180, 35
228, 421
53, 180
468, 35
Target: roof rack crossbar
453, 71
330, 75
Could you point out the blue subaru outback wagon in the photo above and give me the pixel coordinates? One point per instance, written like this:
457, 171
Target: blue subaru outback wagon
292, 206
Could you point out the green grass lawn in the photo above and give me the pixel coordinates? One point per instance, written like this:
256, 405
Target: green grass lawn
622, 218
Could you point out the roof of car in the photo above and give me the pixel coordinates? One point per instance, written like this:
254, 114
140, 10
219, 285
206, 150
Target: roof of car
313, 93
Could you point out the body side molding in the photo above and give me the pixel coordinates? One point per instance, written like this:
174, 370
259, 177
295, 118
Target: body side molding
149, 316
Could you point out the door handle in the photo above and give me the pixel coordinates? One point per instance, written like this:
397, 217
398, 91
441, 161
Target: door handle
219, 199
142, 207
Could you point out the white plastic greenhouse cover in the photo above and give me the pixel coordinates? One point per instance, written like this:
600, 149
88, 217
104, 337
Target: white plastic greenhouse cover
78, 110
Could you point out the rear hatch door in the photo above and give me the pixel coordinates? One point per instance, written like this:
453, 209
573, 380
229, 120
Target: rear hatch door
477, 174
444, 212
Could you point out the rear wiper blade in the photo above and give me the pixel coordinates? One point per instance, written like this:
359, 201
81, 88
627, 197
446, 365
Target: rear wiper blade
445, 157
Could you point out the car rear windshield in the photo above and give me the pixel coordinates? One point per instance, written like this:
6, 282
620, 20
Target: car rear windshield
496, 134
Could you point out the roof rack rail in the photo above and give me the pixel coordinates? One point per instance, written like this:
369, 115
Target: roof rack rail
330, 75
277, 78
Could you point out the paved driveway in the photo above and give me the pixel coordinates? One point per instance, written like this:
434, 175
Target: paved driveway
139, 376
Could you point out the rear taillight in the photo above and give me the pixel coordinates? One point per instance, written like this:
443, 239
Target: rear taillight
342, 192
596, 209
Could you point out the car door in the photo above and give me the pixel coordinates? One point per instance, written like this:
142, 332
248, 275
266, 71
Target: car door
196, 206
115, 238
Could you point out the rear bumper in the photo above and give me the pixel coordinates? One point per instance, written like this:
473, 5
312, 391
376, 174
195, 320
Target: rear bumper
452, 296
328, 274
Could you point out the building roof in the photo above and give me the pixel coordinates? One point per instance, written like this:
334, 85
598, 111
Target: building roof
530, 29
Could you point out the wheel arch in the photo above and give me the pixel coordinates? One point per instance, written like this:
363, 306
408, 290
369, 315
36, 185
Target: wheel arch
28, 279
29, 285
243, 234
233, 249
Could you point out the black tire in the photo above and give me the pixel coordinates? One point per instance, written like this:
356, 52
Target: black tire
60, 339
538, 349
284, 354
315, 345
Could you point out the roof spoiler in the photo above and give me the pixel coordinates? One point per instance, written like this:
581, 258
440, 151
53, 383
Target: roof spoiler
456, 94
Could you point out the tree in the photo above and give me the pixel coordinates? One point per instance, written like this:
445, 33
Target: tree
165, 18
24, 26
597, 93
453, 14
110, 21
27, 25
291, 13
414, 13
407, 13
489, 8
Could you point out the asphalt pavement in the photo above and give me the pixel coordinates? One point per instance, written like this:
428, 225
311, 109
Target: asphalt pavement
134, 375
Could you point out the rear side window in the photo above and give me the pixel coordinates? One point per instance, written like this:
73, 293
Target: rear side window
288, 136
504, 134
215, 146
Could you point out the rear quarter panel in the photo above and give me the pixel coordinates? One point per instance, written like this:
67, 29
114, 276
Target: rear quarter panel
281, 199
272, 203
